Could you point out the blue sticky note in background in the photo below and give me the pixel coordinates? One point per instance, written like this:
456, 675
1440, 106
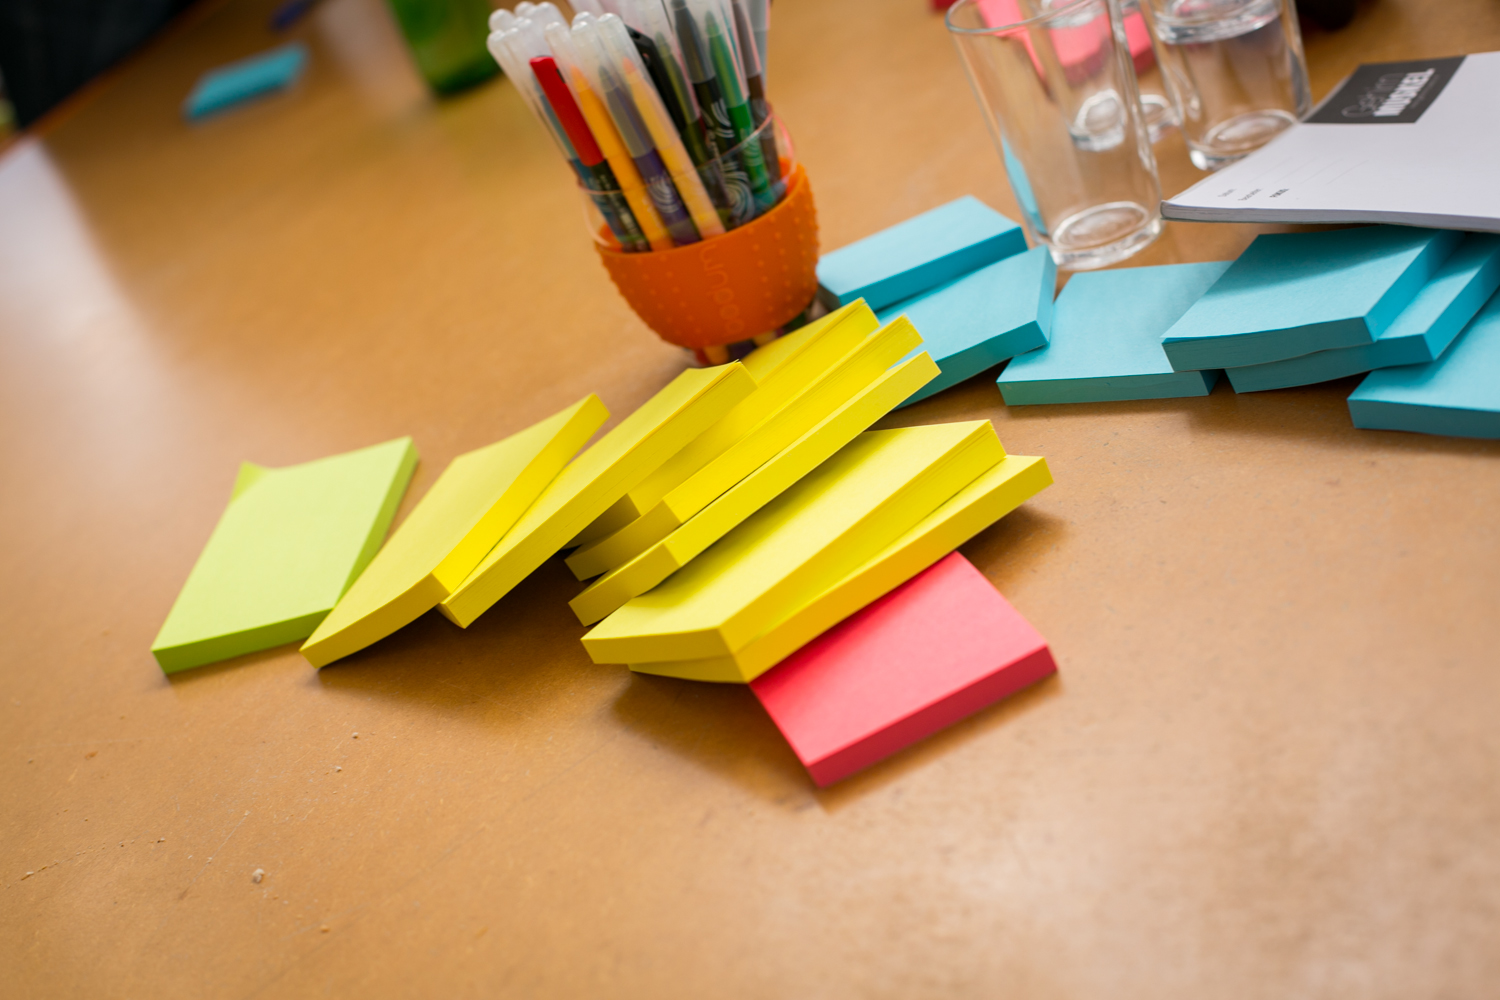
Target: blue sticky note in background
240, 81
1291, 294
1458, 394
1106, 339
919, 254
983, 318
1421, 333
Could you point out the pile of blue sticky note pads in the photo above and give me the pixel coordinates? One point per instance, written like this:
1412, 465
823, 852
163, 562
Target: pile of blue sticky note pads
1418, 307
963, 276
1299, 308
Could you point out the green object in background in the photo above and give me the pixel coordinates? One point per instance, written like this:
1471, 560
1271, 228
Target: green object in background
447, 40
289, 544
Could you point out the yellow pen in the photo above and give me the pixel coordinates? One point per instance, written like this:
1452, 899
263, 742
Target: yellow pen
608, 138
663, 132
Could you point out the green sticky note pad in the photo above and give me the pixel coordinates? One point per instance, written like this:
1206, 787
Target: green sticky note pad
289, 544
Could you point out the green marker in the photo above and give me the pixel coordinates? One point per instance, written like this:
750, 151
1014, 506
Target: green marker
737, 105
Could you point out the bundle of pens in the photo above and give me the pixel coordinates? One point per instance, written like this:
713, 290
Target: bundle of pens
699, 210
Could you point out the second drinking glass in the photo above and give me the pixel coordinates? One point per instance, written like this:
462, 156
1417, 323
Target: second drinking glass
1058, 92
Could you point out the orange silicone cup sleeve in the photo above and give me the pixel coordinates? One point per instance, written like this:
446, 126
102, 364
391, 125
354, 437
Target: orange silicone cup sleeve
749, 281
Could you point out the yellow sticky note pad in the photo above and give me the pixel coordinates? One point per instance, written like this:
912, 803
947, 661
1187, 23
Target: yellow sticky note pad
782, 369
473, 503
801, 543
619, 460
848, 376
686, 542
977, 506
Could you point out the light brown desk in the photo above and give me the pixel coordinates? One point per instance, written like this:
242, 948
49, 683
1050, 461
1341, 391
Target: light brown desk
1270, 766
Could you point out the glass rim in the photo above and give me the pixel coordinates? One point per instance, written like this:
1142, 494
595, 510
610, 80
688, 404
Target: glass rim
1002, 28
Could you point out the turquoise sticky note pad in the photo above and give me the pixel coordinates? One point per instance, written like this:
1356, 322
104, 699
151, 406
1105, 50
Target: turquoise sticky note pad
983, 318
1106, 339
1458, 394
240, 81
919, 254
1421, 333
1291, 294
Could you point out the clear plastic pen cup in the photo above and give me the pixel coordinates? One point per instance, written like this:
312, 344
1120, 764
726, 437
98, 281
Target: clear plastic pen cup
1235, 70
742, 184
734, 287
1058, 91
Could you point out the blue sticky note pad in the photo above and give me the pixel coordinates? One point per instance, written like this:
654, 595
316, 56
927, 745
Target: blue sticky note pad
1291, 294
1458, 394
240, 81
1421, 333
983, 318
1106, 339
919, 254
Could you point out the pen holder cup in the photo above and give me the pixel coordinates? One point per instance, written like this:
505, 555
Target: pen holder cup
745, 283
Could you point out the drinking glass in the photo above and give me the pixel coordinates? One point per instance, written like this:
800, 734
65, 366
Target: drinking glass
1234, 68
1058, 92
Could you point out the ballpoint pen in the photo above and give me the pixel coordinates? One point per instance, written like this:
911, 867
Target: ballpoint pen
560, 41
608, 81
597, 176
723, 139
651, 33
723, 49
613, 38
751, 59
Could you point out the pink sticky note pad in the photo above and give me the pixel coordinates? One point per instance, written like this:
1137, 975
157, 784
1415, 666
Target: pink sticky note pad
1080, 49
933, 651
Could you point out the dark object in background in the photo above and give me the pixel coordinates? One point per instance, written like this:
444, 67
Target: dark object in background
1329, 15
50, 48
447, 41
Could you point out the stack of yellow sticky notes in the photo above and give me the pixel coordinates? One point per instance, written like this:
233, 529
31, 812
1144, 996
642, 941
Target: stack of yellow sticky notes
737, 514
879, 511
832, 406
498, 513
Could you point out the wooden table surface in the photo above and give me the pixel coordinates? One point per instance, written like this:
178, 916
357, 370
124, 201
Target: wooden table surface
1270, 766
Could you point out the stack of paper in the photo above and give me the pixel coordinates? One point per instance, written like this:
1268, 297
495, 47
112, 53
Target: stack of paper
782, 369
986, 317
919, 254
933, 651
800, 546
1420, 333
289, 544
476, 500
1106, 339
1291, 294
635, 448
843, 377
1457, 394
975, 507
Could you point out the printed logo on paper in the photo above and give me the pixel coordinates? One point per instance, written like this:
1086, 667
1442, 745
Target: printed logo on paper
1395, 93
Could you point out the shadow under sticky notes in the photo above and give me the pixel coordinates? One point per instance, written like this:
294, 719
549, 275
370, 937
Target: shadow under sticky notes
237, 82
1291, 294
1106, 339
1458, 394
935, 650
983, 318
289, 544
919, 254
